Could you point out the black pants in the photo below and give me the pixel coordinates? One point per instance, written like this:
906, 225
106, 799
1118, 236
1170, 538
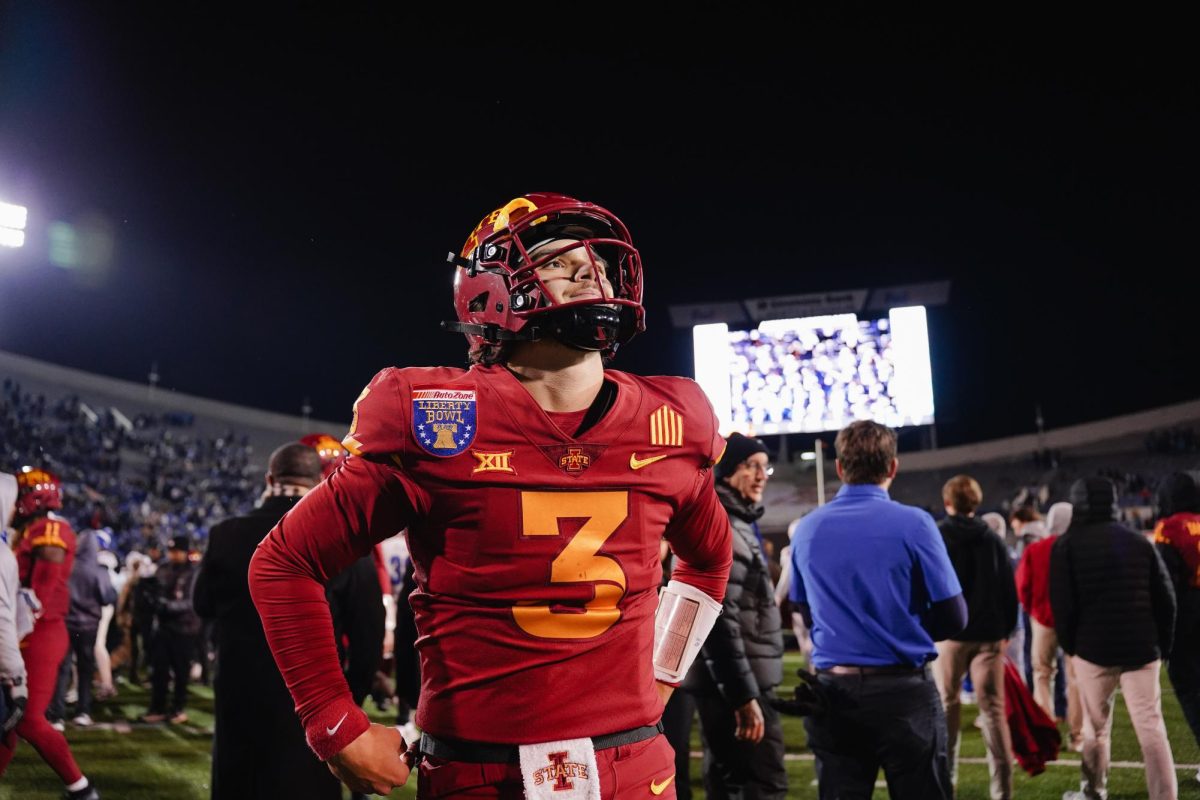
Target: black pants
891, 721
83, 649
735, 768
677, 727
172, 654
1183, 668
141, 640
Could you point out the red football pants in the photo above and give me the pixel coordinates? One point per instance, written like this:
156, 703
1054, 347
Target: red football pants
640, 770
43, 650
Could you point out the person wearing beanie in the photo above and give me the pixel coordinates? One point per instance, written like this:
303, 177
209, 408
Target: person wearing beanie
1033, 588
875, 585
741, 662
981, 563
1114, 613
1176, 536
178, 626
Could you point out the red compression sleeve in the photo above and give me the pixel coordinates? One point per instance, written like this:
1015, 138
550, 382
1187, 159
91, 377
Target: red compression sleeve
702, 541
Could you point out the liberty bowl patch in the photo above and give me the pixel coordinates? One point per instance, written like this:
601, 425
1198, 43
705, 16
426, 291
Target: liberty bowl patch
443, 420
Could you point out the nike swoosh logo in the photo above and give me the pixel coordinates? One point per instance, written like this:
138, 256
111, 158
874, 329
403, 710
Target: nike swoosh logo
658, 788
638, 463
334, 729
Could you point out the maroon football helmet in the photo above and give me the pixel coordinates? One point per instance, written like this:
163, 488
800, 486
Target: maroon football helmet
328, 448
499, 297
37, 490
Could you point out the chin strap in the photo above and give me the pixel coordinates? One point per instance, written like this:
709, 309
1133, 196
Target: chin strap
586, 328
493, 333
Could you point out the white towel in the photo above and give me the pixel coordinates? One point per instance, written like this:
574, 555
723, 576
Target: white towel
563, 770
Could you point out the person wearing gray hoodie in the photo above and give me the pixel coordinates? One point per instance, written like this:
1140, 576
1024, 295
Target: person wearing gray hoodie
13, 691
91, 590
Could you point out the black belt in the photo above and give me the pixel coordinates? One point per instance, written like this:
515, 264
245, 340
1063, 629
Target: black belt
483, 753
884, 669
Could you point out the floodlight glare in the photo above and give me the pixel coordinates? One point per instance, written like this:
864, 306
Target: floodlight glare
11, 238
810, 456
13, 216
12, 224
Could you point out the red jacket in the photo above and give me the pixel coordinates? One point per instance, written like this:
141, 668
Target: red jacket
1033, 580
1035, 738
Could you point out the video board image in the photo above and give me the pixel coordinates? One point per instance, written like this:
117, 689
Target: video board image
818, 373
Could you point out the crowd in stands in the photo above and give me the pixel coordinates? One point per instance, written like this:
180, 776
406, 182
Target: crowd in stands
152, 476
1173, 440
814, 378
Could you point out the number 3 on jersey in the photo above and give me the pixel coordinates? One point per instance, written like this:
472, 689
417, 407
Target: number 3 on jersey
579, 562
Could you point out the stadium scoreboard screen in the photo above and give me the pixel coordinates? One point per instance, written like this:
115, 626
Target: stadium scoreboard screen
816, 374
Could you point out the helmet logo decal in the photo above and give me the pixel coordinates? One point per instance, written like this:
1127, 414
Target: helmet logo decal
444, 420
515, 209
497, 221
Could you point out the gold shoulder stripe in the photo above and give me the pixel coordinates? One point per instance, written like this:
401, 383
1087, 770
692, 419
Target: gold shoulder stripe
666, 427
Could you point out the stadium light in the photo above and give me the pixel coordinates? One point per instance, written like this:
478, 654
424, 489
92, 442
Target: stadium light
810, 456
12, 224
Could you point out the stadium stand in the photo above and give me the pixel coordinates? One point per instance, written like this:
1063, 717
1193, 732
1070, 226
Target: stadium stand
145, 462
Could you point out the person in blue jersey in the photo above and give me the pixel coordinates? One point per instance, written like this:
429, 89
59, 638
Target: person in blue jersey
875, 585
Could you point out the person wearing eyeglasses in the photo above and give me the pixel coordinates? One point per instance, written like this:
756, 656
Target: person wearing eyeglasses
742, 660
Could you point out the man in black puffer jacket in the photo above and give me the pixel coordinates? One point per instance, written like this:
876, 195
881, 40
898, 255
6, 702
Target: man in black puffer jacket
1114, 612
742, 661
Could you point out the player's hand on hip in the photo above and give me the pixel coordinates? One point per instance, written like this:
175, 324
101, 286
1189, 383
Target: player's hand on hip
374, 763
665, 690
750, 725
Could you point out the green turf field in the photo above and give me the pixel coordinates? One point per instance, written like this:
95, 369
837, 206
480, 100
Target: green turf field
137, 762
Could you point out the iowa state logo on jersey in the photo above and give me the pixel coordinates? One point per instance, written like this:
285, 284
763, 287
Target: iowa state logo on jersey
443, 420
573, 459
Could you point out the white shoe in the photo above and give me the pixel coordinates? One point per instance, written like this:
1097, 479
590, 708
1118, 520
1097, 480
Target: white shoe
83, 721
58, 725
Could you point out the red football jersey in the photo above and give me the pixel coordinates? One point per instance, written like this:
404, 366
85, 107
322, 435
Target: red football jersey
536, 553
1182, 531
48, 579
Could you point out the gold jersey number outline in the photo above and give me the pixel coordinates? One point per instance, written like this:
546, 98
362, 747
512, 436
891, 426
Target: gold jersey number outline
579, 562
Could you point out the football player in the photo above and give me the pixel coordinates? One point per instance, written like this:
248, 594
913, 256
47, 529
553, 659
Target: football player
535, 487
45, 551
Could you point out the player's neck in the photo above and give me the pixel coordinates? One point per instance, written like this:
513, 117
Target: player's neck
557, 377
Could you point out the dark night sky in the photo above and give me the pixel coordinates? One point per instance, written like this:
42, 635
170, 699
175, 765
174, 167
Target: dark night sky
281, 193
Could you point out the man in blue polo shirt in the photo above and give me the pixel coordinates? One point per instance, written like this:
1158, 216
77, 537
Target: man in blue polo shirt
876, 587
